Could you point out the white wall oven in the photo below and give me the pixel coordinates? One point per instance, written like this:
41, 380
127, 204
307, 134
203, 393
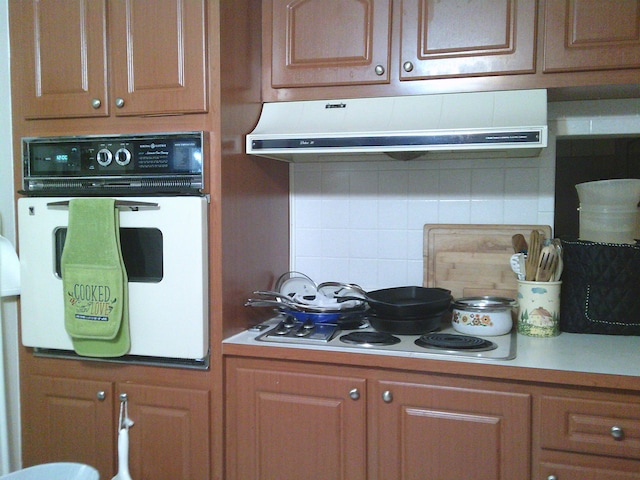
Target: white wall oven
156, 182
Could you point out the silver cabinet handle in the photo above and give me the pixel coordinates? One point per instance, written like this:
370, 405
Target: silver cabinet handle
387, 396
119, 102
123, 397
407, 66
354, 393
96, 103
552, 477
379, 70
617, 432
101, 395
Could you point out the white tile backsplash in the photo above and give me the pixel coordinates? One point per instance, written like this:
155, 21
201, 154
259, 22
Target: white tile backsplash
362, 221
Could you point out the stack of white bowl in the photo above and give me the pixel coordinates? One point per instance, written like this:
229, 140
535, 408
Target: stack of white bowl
609, 210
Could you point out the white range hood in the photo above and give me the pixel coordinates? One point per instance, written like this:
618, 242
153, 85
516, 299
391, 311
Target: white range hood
481, 124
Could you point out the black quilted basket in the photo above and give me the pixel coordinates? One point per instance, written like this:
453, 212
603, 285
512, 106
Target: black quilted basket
600, 288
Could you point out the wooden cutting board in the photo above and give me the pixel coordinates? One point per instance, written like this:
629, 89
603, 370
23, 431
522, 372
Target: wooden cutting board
472, 260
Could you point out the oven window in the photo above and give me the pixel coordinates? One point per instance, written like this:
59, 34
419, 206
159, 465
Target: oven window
141, 252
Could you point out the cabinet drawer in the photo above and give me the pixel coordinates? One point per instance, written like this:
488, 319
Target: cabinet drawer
590, 426
573, 472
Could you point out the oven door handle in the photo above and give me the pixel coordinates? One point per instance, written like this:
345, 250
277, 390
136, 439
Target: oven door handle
122, 204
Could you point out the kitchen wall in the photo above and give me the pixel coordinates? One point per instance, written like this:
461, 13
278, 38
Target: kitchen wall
363, 221
9, 307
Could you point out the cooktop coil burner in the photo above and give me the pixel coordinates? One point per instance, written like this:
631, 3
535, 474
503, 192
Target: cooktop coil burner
365, 338
451, 341
369, 339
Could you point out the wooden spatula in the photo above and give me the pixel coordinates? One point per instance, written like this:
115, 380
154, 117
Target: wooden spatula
547, 265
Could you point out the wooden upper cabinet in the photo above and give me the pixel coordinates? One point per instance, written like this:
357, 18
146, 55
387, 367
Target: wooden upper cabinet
90, 58
158, 56
60, 56
329, 42
583, 35
460, 39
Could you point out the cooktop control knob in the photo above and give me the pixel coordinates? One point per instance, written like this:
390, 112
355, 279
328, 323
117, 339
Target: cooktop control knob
123, 157
104, 157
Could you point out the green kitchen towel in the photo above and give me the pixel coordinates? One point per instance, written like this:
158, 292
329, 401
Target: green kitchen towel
94, 280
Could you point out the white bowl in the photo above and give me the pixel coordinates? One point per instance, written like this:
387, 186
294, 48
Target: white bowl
483, 316
614, 192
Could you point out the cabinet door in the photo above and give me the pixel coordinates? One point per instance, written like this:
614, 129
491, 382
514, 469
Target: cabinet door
62, 68
442, 433
171, 432
329, 42
292, 426
68, 420
460, 39
582, 35
158, 60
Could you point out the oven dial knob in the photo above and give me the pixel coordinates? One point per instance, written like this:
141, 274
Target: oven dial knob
123, 157
104, 157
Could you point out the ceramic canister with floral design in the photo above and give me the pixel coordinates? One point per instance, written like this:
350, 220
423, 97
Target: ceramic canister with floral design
484, 316
539, 308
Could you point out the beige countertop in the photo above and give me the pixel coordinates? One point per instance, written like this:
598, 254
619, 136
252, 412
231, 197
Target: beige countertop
567, 353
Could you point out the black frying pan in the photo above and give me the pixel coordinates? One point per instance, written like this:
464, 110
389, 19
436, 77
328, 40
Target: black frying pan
407, 302
406, 326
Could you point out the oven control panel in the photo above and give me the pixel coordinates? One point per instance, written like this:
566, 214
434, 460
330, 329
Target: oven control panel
147, 163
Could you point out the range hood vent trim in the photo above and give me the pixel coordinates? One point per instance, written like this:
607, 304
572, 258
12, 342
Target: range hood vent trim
500, 123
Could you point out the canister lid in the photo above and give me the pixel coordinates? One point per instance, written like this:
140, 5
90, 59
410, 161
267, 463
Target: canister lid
485, 303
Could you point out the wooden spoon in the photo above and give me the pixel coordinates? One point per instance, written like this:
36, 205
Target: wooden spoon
533, 256
519, 243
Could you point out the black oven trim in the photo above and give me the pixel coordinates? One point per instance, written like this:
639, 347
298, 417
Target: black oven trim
93, 165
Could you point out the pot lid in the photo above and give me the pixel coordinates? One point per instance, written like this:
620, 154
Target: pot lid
484, 303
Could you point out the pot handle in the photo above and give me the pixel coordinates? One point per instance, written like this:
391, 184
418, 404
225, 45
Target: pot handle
345, 286
348, 298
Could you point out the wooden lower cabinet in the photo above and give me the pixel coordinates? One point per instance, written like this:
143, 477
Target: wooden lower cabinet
170, 437
289, 425
554, 471
75, 420
587, 436
69, 420
441, 432
288, 421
